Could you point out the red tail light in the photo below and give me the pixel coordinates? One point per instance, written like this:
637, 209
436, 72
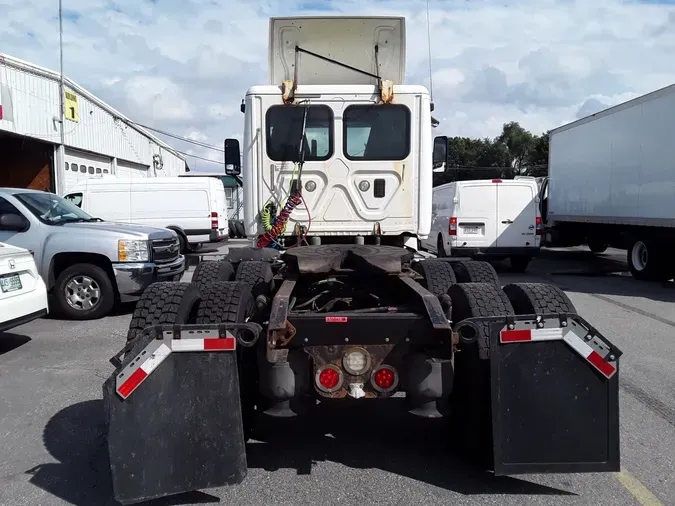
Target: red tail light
384, 378
540, 226
214, 221
329, 378
496, 180
452, 227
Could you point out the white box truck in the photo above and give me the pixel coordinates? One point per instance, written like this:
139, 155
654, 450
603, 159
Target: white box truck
612, 183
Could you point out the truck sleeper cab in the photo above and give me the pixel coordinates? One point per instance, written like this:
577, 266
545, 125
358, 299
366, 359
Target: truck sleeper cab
362, 172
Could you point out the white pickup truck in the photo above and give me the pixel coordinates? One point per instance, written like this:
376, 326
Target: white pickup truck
23, 293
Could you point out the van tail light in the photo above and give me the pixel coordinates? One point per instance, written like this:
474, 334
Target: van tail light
214, 221
540, 226
452, 227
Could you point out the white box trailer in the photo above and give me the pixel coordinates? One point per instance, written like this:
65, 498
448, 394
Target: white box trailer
612, 183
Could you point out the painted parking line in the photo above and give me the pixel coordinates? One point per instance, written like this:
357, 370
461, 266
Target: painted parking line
641, 493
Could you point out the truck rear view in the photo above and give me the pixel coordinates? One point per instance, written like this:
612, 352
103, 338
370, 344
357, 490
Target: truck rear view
331, 305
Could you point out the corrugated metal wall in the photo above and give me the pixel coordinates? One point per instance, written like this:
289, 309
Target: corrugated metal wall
33, 110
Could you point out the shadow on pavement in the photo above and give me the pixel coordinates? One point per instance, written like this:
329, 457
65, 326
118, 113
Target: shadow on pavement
372, 436
75, 436
10, 341
379, 435
595, 274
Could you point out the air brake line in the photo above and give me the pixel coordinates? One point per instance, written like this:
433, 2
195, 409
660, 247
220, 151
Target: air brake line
278, 225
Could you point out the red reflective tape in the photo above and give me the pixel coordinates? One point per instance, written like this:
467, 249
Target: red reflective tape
604, 367
515, 336
336, 319
132, 382
227, 343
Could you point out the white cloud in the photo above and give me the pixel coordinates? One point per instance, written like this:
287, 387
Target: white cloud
184, 65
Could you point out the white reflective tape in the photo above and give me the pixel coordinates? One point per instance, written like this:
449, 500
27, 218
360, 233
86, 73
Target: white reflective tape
156, 358
187, 345
546, 334
578, 344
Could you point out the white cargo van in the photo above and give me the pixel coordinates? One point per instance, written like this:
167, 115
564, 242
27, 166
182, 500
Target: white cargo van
195, 208
495, 219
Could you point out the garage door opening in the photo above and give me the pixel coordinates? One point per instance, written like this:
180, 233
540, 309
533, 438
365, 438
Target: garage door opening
26, 163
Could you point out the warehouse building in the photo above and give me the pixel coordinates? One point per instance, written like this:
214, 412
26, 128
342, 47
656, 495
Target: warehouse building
96, 139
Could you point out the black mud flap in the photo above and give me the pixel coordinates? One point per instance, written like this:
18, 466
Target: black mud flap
554, 395
174, 419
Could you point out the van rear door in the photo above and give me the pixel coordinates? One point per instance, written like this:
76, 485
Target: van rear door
516, 214
476, 216
219, 204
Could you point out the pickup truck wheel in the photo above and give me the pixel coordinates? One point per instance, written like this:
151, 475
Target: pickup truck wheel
84, 292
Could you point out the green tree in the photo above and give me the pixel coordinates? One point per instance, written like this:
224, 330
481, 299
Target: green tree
515, 151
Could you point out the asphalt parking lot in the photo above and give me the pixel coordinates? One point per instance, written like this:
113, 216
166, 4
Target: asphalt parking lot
52, 448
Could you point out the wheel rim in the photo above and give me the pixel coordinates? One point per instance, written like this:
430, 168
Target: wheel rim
82, 293
639, 256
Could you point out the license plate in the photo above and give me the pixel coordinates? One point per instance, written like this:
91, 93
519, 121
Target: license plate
10, 283
471, 230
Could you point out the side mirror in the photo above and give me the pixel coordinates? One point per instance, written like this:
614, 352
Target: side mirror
440, 153
12, 222
232, 157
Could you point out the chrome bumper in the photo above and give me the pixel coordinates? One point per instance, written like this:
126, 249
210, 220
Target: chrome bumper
133, 278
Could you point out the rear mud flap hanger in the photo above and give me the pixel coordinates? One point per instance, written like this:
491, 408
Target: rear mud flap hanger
571, 328
174, 339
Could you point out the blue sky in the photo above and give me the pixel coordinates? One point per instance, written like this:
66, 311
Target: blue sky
184, 65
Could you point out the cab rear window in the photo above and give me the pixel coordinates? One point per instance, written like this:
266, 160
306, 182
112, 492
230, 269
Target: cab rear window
283, 127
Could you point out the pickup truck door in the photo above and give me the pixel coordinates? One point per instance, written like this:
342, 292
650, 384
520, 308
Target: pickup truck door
30, 239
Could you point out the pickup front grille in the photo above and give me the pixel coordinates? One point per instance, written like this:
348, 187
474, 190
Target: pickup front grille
165, 251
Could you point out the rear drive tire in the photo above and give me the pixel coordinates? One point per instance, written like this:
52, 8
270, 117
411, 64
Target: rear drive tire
475, 272
232, 302
165, 302
471, 420
538, 298
208, 272
84, 292
232, 230
438, 275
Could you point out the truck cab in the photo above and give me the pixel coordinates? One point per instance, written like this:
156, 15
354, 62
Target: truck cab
337, 115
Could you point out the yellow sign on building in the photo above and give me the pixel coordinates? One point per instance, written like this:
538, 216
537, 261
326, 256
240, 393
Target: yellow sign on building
70, 103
